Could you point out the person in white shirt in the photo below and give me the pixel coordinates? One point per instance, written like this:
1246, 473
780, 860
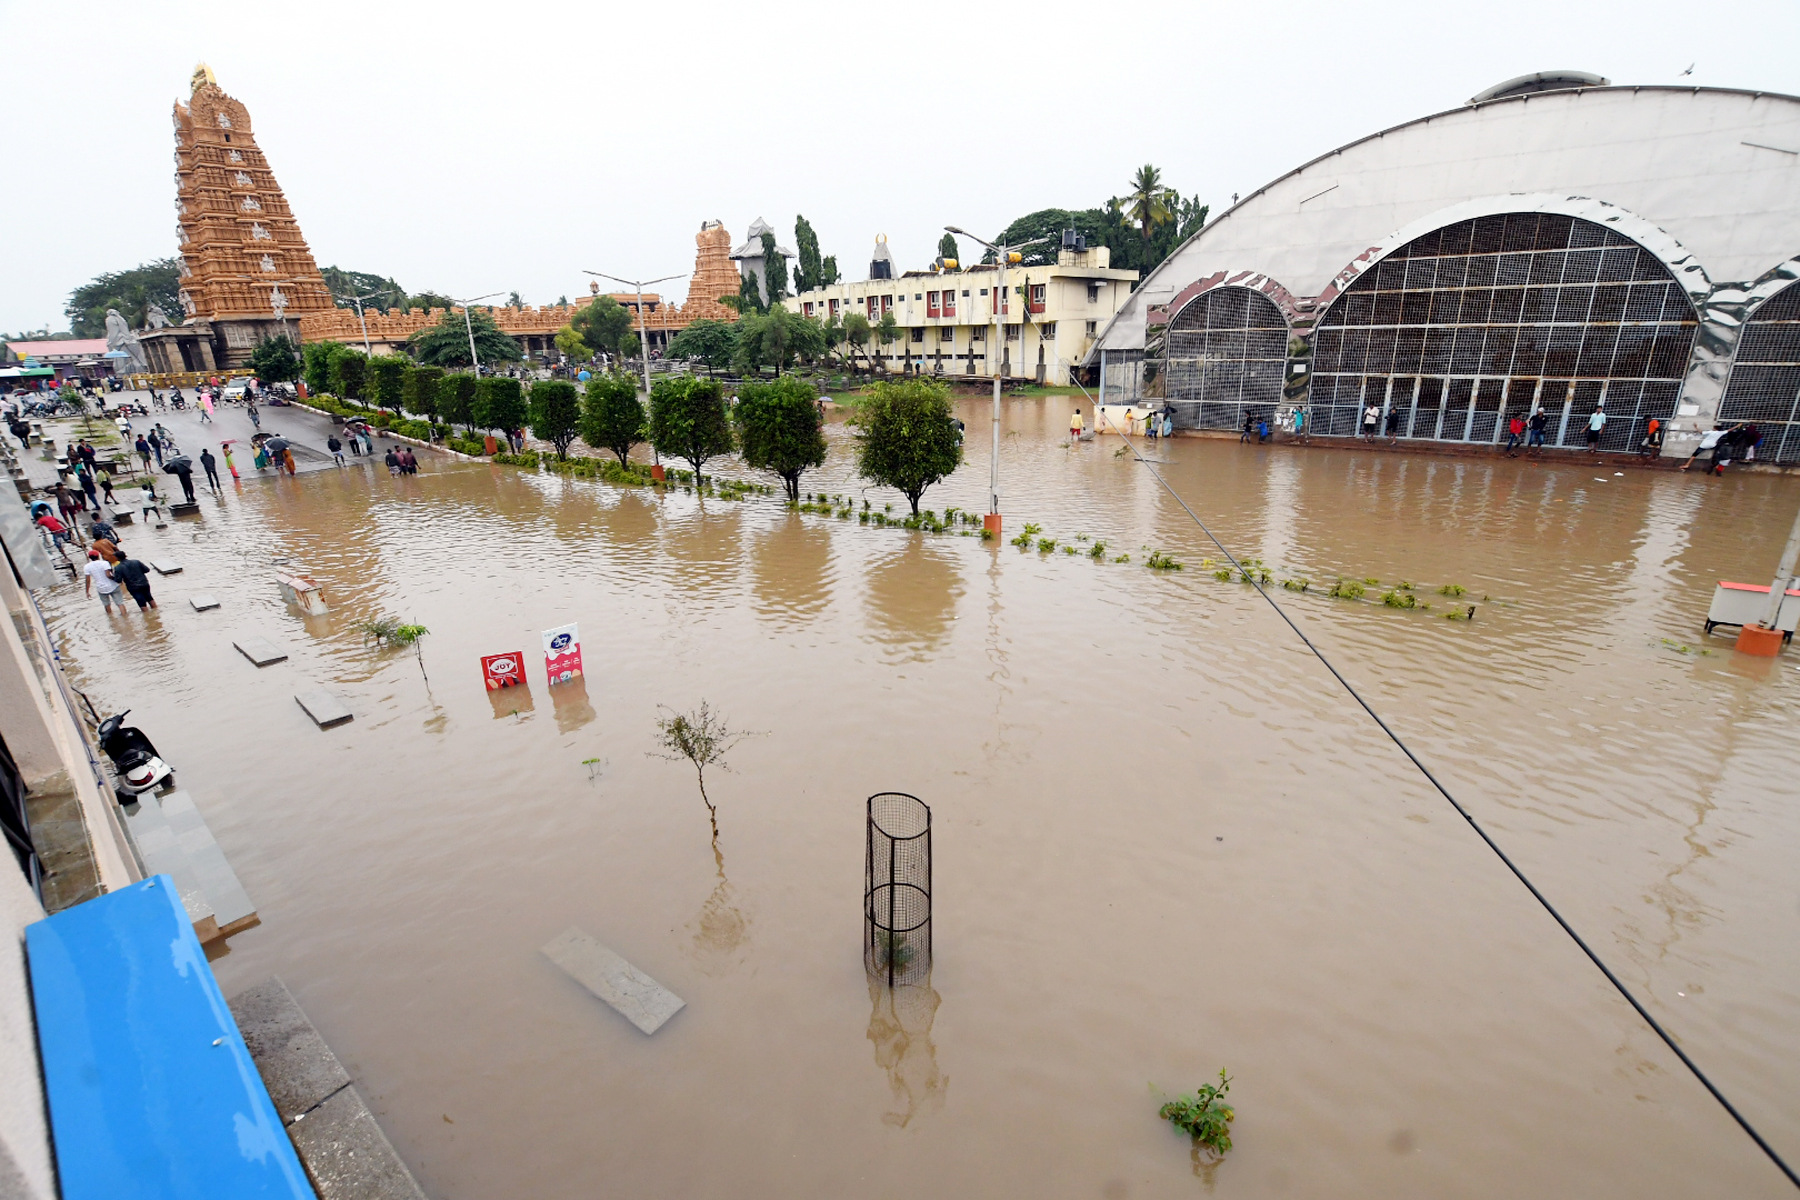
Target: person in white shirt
99, 575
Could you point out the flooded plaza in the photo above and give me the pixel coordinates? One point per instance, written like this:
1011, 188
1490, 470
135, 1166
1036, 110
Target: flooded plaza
1165, 840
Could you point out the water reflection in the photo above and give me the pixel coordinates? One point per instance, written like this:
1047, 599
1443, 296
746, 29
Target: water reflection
900, 1021
791, 566
912, 597
511, 702
573, 709
722, 929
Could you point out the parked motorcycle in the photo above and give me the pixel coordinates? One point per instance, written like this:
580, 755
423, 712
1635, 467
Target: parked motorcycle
134, 758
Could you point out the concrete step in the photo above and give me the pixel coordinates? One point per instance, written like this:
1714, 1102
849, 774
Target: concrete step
173, 839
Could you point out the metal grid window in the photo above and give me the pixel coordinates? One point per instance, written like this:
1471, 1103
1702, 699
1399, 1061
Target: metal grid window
1765, 381
1227, 355
1483, 320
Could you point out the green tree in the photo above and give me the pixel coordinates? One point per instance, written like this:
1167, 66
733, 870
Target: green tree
555, 413
1147, 202
515, 301
857, 332
775, 339
907, 436
429, 301
708, 341
131, 292
775, 271
274, 360
349, 371
571, 343
830, 275
423, 385
611, 416
499, 404
749, 298
688, 420
456, 399
386, 381
779, 429
446, 344
887, 332
809, 269
607, 325
947, 248
386, 293
318, 365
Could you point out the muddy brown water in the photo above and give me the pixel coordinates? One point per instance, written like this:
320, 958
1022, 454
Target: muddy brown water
1166, 843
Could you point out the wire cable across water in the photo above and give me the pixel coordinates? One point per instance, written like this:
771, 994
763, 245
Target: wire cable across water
1464, 814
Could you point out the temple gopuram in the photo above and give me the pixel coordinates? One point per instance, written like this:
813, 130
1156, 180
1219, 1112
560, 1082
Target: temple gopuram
246, 272
535, 328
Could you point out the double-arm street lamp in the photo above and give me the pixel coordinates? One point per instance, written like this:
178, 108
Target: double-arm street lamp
643, 331
358, 301
469, 325
1004, 256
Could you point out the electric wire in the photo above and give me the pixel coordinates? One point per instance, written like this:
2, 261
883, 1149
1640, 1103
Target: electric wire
1464, 813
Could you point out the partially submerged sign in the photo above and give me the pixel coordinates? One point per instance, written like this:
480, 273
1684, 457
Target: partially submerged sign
503, 670
562, 652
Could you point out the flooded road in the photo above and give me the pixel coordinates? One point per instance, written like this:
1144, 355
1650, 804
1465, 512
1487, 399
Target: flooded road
1166, 842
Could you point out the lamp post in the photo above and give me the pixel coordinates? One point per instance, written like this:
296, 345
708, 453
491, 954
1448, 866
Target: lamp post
469, 325
643, 342
1003, 256
358, 301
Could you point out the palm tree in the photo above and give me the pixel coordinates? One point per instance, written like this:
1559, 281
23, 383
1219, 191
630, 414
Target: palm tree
1147, 202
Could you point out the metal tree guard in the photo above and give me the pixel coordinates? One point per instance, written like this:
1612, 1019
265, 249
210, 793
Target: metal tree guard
897, 889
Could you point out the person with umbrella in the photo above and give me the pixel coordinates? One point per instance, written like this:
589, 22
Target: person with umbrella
280, 454
182, 467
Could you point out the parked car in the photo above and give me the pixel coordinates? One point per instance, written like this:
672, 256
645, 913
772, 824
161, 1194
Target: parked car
235, 387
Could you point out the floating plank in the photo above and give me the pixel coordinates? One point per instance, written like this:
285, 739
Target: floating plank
323, 707
203, 601
166, 566
260, 650
638, 998
150, 1088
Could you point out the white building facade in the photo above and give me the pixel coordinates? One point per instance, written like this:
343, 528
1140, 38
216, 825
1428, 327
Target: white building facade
1584, 248
1049, 315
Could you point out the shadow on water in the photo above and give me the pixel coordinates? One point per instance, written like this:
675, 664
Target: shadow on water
791, 568
900, 1021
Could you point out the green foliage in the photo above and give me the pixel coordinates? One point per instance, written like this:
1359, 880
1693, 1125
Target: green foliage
499, 404
387, 293
1045, 545
688, 420
702, 737
606, 325
1027, 536
275, 361
132, 292
776, 271
810, 271
391, 631
570, 342
1299, 584
446, 344
456, 399
947, 248
775, 339
857, 330
1097, 551
1203, 1115
780, 430
555, 413
1111, 225
1459, 614
1346, 589
611, 416
707, 341
317, 370
349, 371
1158, 561
1453, 590
422, 387
907, 436
1395, 598
430, 300
749, 298
386, 381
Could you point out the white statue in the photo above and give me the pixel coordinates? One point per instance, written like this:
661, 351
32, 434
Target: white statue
156, 318
120, 337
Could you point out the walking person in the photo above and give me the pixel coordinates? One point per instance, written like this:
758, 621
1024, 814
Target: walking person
211, 466
287, 460
136, 578
1076, 425
105, 481
1595, 427
99, 573
60, 537
103, 538
206, 408
67, 504
148, 500
1515, 432
1371, 420
337, 449
1168, 423
393, 462
89, 488
143, 450
1534, 430
250, 411
368, 442
1262, 431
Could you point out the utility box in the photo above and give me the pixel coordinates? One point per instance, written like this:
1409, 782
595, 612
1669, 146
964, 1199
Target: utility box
304, 593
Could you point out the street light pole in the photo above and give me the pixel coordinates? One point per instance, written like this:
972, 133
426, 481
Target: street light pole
992, 522
469, 326
643, 334
358, 301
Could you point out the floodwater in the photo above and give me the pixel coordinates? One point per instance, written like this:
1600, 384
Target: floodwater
1166, 842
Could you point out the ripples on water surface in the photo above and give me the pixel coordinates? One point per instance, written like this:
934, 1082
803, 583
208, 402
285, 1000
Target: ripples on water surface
1165, 842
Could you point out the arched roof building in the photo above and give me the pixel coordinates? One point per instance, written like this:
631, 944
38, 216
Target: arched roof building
1574, 249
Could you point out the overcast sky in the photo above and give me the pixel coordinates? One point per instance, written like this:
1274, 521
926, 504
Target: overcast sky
469, 148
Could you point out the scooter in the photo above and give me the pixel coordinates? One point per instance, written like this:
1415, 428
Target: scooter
134, 758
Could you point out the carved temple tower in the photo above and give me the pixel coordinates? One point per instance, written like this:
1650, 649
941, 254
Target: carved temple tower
246, 272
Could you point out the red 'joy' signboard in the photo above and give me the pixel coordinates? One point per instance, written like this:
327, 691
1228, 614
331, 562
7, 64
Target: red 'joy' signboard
503, 670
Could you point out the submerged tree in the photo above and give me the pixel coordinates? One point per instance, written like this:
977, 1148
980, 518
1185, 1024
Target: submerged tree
391, 631
702, 738
611, 416
555, 413
688, 421
908, 436
779, 429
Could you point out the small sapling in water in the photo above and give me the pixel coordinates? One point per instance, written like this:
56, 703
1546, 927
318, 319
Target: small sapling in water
1203, 1115
1158, 561
1453, 589
701, 737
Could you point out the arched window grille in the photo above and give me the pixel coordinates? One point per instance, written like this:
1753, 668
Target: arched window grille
1226, 357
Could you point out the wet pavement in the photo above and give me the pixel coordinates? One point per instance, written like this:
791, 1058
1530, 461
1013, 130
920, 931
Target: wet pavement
1165, 841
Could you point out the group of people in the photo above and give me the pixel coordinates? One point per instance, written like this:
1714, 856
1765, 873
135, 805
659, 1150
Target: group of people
1726, 444
400, 461
109, 569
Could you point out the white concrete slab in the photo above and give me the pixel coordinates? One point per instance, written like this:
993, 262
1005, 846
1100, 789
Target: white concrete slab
202, 601
224, 894
639, 998
260, 650
166, 566
325, 708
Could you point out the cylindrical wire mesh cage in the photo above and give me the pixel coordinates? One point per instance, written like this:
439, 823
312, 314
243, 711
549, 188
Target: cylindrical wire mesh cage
897, 889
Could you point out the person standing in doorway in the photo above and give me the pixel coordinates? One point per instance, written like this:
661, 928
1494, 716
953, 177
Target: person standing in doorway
136, 578
1595, 427
99, 573
211, 466
1534, 430
1371, 420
